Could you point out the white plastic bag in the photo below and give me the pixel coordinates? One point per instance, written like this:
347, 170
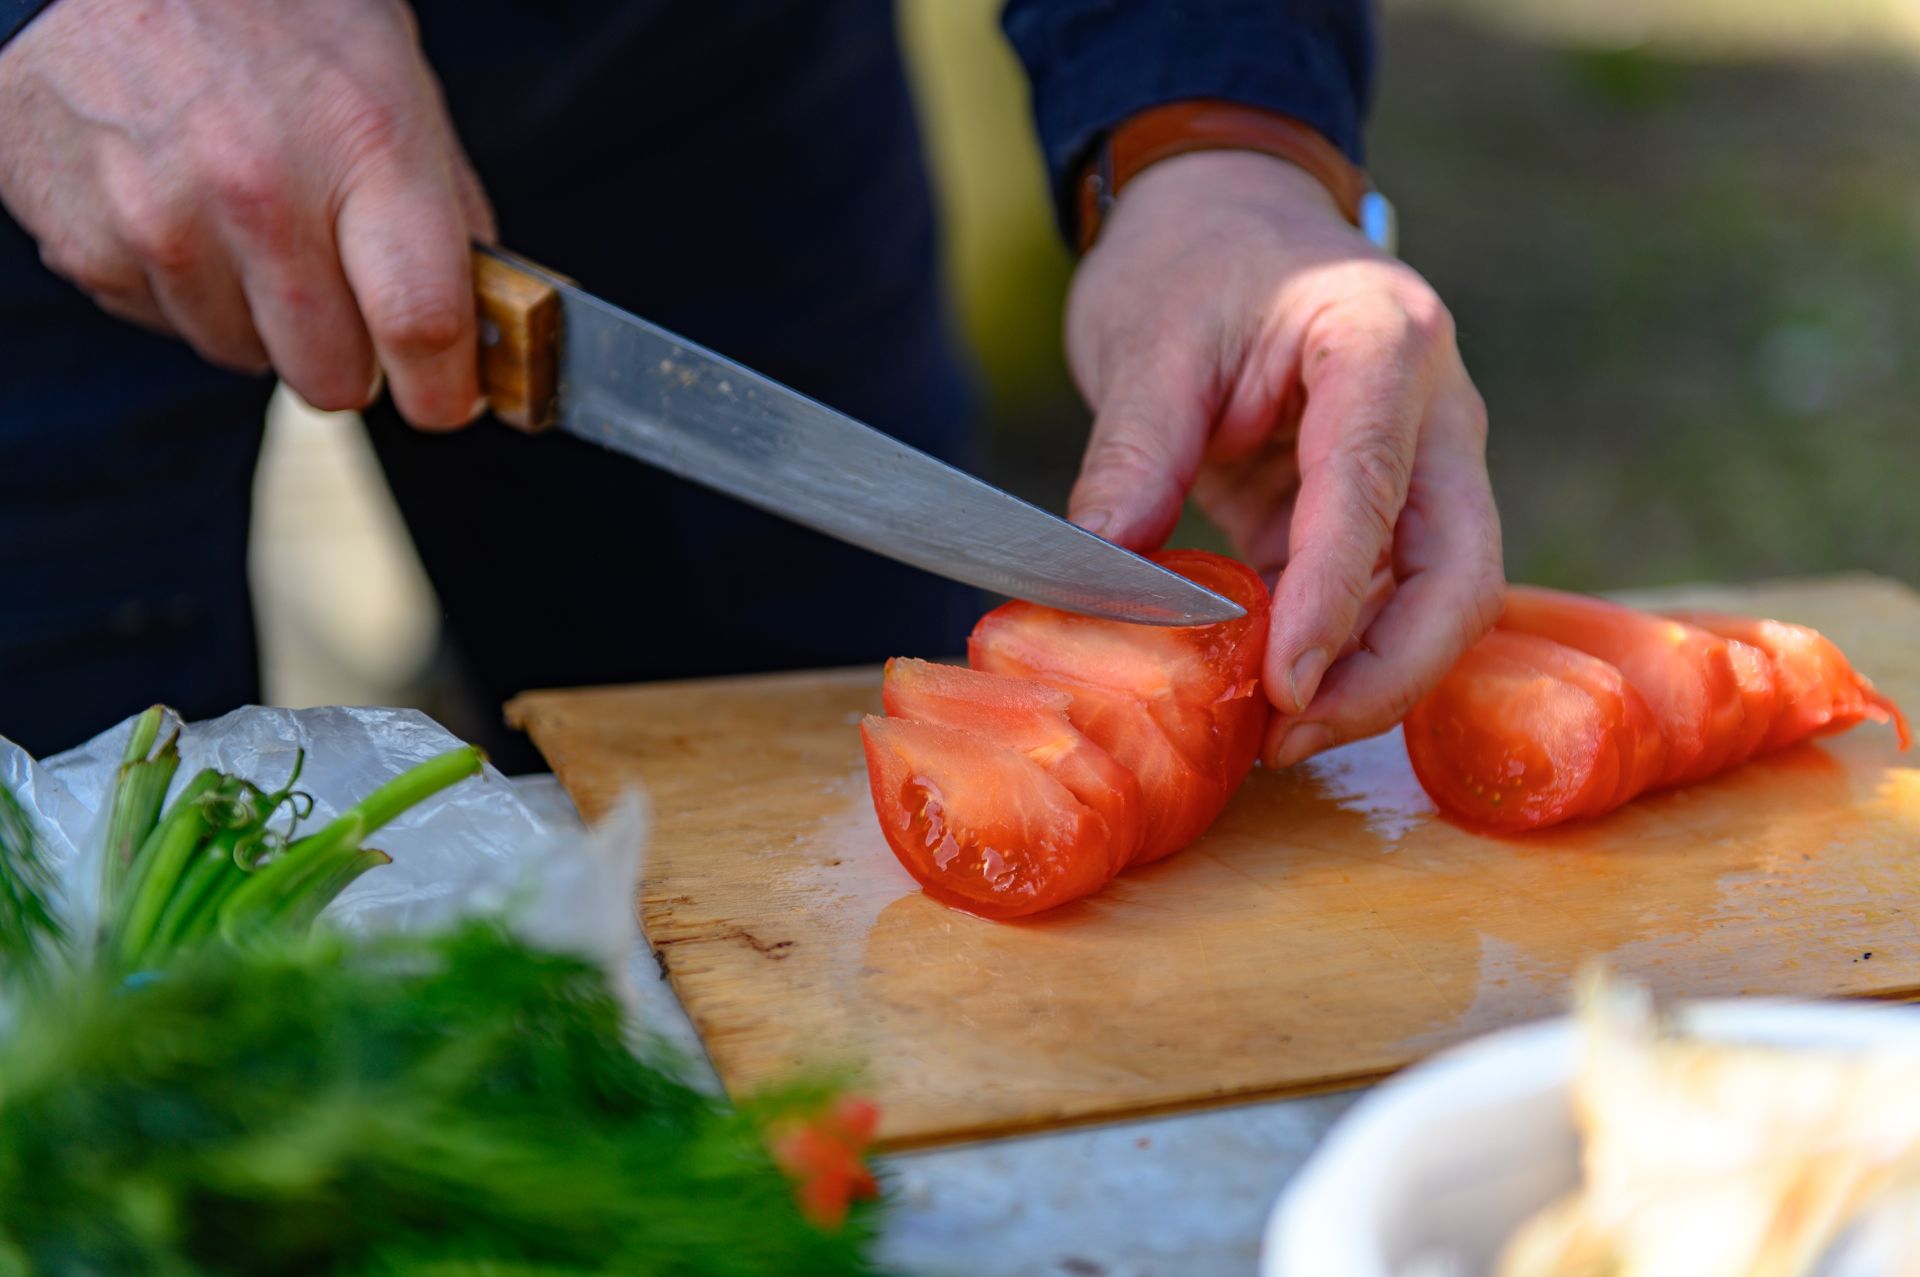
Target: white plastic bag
474, 849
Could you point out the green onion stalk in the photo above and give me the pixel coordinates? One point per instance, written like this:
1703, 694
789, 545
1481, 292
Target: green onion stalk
222, 862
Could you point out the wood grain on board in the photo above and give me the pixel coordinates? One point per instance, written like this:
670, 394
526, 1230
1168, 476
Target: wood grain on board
1327, 930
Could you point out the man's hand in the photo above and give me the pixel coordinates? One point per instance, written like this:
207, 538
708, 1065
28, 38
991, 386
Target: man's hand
1239, 340
278, 184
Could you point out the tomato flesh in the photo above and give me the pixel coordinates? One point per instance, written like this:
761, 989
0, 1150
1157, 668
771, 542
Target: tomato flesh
1523, 732
980, 824
1028, 716
1685, 674
1071, 748
1818, 690
1180, 708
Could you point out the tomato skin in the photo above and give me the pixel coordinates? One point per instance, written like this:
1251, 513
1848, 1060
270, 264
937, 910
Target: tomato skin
1031, 717
980, 825
1181, 708
1819, 691
1525, 732
1685, 674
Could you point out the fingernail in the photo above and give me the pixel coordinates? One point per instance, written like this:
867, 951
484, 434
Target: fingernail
1303, 680
1303, 741
376, 386
1094, 521
480, 406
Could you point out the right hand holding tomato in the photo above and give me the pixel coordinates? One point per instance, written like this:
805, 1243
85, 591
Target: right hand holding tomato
276, 184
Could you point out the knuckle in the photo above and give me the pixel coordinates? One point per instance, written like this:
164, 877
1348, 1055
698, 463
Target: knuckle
366, 125
1123, 456
159, 230
420, 322
251, 182
1377, 474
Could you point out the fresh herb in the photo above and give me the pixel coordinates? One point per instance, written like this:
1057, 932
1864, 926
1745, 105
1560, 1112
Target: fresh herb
321, 1108
32, 939
457, 1105
216, 863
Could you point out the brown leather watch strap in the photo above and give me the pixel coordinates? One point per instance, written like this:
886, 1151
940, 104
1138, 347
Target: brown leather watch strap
1204, 124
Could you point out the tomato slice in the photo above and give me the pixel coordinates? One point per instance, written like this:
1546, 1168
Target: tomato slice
1819, 692
980, 824
1028, 716
1525, 732
1759, 697
1178, 799
1180, 708
1685, 674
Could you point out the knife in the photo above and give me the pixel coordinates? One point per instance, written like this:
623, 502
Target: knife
554, 356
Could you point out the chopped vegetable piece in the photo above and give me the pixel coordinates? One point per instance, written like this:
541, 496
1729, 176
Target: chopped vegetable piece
1685, 674
1525, 732
1030, 717
1819, 691
980, 824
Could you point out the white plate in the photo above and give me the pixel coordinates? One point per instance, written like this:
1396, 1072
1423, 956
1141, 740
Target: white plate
1436, 1168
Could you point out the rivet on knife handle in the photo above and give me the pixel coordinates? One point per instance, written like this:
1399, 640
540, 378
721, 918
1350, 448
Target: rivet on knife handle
519, 342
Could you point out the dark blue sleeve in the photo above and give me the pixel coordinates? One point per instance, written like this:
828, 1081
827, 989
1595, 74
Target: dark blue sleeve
1093, 63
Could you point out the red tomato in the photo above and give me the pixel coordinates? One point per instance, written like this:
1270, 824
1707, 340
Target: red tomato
1178, 707
1032, 718
1685, 674
1525, 732
979, 823
826, 1158
1819, 691
1759, 697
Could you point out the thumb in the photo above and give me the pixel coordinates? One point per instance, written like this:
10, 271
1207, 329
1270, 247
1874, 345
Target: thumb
1149, 435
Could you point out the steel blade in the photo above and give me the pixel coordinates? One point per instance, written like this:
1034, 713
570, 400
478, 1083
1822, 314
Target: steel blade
640, 390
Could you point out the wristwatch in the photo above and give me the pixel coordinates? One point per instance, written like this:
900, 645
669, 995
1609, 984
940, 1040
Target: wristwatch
1205, 124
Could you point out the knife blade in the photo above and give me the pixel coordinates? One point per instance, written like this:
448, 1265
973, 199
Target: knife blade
555, 356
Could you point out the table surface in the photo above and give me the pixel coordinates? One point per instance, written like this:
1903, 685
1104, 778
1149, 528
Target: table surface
1186, 1195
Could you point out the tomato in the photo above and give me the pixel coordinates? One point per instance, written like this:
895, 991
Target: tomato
1031, 717
980, 824
1525, 732
1685, 674
1818, 690
1759, 697
1181, 708
826, 1159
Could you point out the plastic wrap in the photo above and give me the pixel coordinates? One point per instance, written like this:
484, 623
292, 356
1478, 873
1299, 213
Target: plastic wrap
473, 849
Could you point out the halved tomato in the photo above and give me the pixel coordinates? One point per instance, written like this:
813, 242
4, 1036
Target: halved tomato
980, 824
1028, 716
1819, 691
1503, 744
1180, 708
1684, 673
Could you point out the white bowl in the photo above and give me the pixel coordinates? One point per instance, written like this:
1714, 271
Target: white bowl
1435, 1169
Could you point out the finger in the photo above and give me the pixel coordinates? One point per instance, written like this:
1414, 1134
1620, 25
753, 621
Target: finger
1366, 394
1252, 502
310, 323
404, 245
1149, 433
1449, 592
208, 309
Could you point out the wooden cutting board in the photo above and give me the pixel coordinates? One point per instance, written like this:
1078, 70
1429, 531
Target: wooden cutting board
1327, 930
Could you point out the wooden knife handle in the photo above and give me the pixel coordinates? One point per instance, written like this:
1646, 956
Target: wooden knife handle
519, 341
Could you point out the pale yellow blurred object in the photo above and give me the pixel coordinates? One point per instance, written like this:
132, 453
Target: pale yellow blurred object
345, 611
1705, 1159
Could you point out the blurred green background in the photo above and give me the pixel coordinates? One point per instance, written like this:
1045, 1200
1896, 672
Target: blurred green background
1681, 239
